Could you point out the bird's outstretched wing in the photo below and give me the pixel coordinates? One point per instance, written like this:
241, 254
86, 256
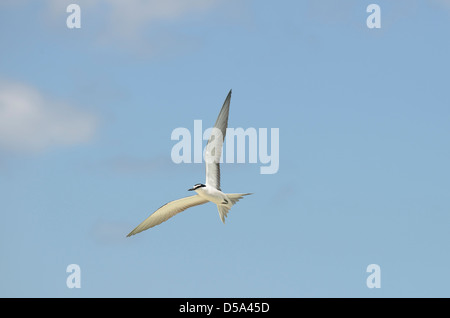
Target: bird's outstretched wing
213, 149
167, 211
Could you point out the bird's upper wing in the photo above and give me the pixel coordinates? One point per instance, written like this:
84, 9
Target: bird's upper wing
213, 148
167, 211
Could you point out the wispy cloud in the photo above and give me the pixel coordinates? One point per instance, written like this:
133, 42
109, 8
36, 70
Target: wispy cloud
140, 26
133, 14
31, 121
129, 17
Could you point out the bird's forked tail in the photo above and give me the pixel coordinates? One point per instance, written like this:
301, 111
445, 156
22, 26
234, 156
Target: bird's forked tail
224, 208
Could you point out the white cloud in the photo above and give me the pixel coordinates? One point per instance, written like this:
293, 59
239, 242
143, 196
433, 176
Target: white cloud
128, 18
30, 121
138, 11
146, 28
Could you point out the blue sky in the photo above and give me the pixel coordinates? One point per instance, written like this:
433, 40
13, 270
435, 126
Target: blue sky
86, 117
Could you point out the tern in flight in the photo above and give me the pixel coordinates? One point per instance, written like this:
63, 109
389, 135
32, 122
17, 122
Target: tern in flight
208, 192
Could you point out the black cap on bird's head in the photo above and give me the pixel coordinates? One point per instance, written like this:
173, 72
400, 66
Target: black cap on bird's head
195, 187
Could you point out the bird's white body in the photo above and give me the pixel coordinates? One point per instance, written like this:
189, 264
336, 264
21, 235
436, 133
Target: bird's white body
213, 195
208, 192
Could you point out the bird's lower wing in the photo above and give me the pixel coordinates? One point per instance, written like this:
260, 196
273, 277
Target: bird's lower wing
167, 211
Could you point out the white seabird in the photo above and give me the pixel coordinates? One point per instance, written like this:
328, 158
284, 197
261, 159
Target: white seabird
208, 192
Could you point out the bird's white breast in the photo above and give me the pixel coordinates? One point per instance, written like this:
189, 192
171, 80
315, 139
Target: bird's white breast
212, 194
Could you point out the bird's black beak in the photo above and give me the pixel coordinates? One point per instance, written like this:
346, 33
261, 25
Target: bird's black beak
191, 189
